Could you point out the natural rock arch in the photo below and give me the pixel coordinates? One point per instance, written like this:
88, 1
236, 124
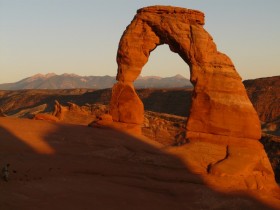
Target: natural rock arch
220, 105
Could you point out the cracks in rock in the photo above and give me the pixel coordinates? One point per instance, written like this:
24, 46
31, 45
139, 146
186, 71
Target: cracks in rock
227, 154
118, 99
192, 48
209, 167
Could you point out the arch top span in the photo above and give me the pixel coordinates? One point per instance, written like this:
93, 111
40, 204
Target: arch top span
181, 29
220, 105
191, 15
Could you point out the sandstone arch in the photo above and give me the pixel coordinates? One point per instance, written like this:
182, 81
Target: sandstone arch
220, 105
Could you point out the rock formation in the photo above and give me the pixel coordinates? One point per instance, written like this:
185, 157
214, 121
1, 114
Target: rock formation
220, 105
2, 114
73, 113
265, 96
223, 127
57, 114
59, 110
45, 116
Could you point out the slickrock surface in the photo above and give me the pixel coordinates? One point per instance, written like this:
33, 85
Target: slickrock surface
220, 105
58, 166
243, 162
166, 129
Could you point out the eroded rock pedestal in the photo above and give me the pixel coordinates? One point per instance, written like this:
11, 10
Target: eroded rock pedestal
221, 113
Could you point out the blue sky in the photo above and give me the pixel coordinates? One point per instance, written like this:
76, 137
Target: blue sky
81, 36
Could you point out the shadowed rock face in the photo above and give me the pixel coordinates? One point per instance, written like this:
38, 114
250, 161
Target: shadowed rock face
220, 105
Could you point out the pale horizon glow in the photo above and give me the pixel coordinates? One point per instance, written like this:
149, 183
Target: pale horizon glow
82, 36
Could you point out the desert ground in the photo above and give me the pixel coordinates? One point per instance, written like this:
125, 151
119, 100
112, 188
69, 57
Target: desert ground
68, 165
63, 166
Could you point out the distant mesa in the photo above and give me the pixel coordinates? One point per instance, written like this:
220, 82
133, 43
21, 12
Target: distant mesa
72, 81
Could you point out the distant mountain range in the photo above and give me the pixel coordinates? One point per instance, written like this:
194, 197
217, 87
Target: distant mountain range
71, 81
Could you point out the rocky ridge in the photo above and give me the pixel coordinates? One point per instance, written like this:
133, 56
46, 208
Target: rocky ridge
73, 81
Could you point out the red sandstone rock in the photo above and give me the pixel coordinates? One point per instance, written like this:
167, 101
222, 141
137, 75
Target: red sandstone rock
111, 170
104, 120
125, 105
59, 110
220, 104
223, 125
217, 149
2, 114
106, 117
47, 117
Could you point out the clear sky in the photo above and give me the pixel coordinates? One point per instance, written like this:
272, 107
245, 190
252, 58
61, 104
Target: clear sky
81, 36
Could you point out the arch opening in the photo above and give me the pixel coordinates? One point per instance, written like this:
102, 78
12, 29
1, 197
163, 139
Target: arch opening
166, 77
165, 63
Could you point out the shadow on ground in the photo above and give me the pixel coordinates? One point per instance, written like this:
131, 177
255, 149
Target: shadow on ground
91, 168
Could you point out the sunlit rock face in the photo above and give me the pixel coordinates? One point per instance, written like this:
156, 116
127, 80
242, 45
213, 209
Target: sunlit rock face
223, 127
220, 105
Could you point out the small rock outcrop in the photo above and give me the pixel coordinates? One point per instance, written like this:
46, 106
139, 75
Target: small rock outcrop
2, 114
57, 114
46, 117
73, 113
58, 110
